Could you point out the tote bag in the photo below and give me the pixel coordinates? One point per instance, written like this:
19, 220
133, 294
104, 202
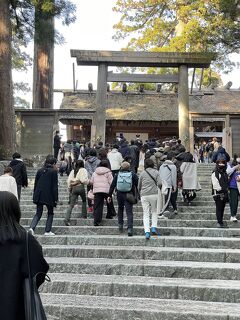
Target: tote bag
32, 302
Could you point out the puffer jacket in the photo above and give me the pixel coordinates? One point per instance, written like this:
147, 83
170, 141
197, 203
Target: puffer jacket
101, 180
115, 158
91, 163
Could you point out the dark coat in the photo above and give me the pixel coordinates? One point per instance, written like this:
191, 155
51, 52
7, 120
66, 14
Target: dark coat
221, 154
13, 270
124, 150
56, 142
19, 172
46, 186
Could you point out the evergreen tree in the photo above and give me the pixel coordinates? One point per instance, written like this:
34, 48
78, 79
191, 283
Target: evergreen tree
17, 21
181, 25
7, 127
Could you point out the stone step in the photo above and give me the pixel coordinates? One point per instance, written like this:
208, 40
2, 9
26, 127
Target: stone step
183, 214
177, 231
68, 307
143, 253
138, 222
148, 268
142, 287
123, 240
194, 207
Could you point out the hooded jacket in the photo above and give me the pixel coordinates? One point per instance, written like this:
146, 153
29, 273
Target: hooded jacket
101, 180
91, 163
168, 173
115, 158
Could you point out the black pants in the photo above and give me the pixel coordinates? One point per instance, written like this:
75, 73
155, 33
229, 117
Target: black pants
56, 152
114, 172
233, 201
122, 202
19, 189
220, 206
173, 199
38, 216
98, 207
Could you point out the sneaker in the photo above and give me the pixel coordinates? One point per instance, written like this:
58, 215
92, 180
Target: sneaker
162, 216
66, 222
234, 219
175, 212
130, 232
154, 231
120, 228
31, 231
220, 225
147, 235
50, 233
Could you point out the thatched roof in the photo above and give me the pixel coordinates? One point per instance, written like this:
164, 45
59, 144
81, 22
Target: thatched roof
154, 106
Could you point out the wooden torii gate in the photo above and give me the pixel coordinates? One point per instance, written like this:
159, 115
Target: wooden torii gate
104, 59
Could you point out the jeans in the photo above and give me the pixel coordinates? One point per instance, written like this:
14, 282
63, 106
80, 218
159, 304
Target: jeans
122, 202
38, 216
149, 205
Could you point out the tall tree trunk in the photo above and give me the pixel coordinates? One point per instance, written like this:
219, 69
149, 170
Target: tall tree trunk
7, 117
43, 61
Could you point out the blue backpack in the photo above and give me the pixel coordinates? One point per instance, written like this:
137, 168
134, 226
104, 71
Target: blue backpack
124, 181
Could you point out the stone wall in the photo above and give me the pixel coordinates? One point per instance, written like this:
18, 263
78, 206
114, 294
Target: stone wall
36, 137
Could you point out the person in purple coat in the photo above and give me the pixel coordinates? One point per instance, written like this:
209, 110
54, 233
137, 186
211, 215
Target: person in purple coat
233, 171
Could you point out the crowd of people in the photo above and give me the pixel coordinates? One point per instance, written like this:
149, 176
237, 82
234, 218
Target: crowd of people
152, 172
208, 152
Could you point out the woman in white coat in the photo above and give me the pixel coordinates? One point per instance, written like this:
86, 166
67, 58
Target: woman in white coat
189, 177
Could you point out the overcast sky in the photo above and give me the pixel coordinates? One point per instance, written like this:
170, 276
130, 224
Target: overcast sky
93, 30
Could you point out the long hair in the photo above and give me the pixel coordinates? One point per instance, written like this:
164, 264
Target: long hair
10, 215
79, 164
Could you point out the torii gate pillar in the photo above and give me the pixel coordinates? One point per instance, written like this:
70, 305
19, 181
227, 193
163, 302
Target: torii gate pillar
101, 102
183, 106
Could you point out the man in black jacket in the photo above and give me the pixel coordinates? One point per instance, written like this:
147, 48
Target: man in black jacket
19, 172
56, 144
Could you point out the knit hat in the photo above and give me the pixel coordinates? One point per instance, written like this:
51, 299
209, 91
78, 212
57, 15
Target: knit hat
125, 165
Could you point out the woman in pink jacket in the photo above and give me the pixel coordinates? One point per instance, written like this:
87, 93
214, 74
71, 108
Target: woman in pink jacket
101, 181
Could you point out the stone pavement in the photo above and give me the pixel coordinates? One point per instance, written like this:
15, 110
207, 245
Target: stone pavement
191, 271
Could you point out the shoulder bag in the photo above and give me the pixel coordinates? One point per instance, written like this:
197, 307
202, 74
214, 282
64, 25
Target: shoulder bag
132, 197
32, 302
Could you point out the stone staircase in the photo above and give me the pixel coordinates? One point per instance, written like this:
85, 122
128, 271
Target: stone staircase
191, 271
